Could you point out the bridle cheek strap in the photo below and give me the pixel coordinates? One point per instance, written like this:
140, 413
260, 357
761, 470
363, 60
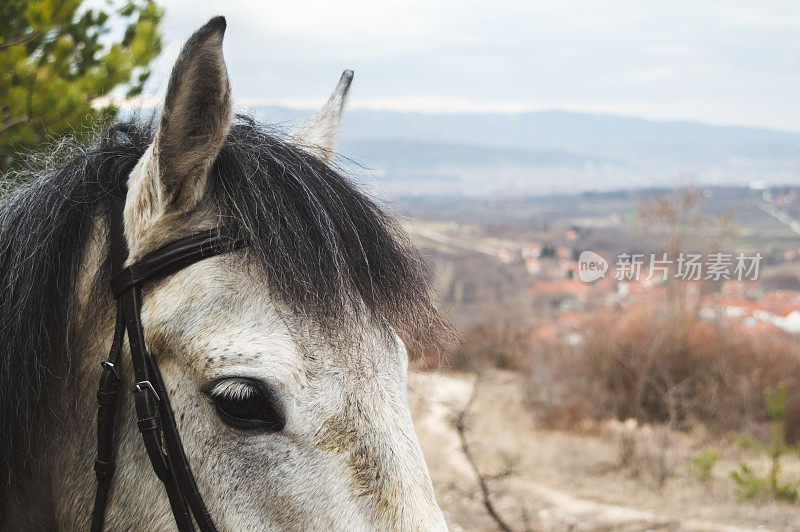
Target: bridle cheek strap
155, 417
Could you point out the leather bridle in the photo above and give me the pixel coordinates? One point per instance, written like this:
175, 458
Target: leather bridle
156, 419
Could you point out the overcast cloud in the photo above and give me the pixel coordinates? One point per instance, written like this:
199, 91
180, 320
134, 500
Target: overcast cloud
720, 62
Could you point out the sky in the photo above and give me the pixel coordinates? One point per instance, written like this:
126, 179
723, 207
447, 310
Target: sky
719, 62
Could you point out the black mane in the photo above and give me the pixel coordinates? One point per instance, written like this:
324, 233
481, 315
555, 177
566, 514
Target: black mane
322, 245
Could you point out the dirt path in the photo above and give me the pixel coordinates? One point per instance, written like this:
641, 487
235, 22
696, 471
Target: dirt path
513, 453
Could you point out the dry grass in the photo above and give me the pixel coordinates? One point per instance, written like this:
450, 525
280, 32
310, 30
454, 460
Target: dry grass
576, 480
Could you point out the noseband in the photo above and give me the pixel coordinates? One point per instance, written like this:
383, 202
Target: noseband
156, 419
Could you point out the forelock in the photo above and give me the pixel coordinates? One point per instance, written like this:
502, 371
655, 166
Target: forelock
326, 249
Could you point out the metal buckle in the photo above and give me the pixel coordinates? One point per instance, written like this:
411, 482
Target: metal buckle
141, 385
108, 365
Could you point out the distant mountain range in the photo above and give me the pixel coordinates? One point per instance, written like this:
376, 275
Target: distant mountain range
549, 151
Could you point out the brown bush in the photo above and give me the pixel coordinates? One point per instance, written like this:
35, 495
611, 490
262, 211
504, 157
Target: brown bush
658, 366
498, 342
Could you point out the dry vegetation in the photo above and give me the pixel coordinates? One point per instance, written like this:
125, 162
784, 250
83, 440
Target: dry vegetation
643, 363
652, 366
605, 475
641, 414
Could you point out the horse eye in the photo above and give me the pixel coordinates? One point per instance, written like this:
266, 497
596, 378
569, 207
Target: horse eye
246, 404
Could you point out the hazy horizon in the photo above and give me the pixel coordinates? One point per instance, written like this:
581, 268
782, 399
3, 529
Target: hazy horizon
732, 63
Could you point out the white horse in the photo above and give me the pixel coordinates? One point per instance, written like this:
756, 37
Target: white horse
284, 361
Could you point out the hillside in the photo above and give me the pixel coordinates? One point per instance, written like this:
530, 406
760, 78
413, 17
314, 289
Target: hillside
551, 151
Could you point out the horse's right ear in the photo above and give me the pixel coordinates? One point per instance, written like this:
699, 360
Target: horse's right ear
318, 135
194, 123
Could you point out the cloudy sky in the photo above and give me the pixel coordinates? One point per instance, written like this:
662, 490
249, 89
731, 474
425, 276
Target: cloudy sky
719, 62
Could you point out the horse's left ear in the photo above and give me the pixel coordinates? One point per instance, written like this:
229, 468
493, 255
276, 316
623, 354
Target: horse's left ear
171, 177
196, 117
319, 134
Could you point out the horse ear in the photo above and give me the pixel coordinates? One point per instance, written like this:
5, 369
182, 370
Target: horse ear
319, 134
196, 118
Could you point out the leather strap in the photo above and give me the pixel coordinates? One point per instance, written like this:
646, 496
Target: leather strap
107, 394
179, 462
155, 418
147, 400
171, 258
108, 388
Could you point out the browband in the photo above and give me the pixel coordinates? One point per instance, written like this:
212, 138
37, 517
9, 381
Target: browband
156, 420
171, 258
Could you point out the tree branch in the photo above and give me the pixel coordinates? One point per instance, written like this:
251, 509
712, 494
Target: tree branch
462, 429
14, 122
22, 40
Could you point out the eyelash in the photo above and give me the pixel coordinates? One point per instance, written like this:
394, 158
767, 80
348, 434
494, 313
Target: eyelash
232, 389
246, 404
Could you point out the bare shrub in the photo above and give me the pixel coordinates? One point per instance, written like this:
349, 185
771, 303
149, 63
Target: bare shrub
656, 366
498, 342
644, 451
